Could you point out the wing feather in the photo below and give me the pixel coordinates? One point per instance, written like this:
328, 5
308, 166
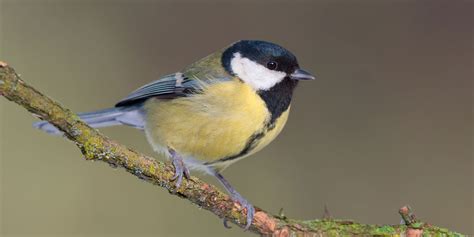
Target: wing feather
168, 87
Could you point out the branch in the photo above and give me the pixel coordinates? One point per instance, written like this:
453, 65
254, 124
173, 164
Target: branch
96, 146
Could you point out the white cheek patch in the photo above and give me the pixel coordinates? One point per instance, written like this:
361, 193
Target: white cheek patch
254, 74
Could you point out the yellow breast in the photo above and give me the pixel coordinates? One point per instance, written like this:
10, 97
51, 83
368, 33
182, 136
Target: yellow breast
213, 125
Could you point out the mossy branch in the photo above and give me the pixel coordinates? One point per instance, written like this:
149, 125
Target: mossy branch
96, 146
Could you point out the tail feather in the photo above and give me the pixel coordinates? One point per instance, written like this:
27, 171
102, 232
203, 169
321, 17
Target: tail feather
130, 116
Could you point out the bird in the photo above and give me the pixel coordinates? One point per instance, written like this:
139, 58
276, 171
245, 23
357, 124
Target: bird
216, 111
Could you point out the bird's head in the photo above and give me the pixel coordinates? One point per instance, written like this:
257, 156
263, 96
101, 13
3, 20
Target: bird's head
261, 64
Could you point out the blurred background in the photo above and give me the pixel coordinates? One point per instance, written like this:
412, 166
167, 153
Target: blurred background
388, 122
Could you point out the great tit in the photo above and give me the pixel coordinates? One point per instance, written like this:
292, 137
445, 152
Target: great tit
213, 113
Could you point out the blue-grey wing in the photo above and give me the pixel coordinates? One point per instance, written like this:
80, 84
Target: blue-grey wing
168, 87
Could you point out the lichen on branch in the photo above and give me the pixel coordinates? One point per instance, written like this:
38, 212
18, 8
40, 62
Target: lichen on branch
96, 146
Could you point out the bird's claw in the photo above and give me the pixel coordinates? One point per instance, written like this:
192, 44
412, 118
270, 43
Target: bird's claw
249, 207
180, 171
250, 214
226, 224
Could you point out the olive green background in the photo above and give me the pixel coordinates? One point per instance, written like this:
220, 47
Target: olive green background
387, 123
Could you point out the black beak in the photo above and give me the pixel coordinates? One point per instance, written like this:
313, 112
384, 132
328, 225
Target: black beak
300, 74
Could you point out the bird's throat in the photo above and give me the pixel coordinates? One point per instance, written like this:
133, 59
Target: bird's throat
278, 98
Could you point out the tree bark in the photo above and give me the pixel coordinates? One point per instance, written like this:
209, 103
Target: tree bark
95, 146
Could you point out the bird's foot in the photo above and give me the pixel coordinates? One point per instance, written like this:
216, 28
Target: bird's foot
180, 169
244, 204
236, 197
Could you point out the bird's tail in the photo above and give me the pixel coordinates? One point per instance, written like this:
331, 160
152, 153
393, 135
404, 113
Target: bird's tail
131, 116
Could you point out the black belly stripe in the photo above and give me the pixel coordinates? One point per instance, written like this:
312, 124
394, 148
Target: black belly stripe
251, 143
277, 100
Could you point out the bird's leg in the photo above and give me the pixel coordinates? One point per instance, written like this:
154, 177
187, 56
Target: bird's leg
237, 198
180, 169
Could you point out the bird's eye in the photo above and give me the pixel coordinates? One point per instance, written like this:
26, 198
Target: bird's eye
272, 65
